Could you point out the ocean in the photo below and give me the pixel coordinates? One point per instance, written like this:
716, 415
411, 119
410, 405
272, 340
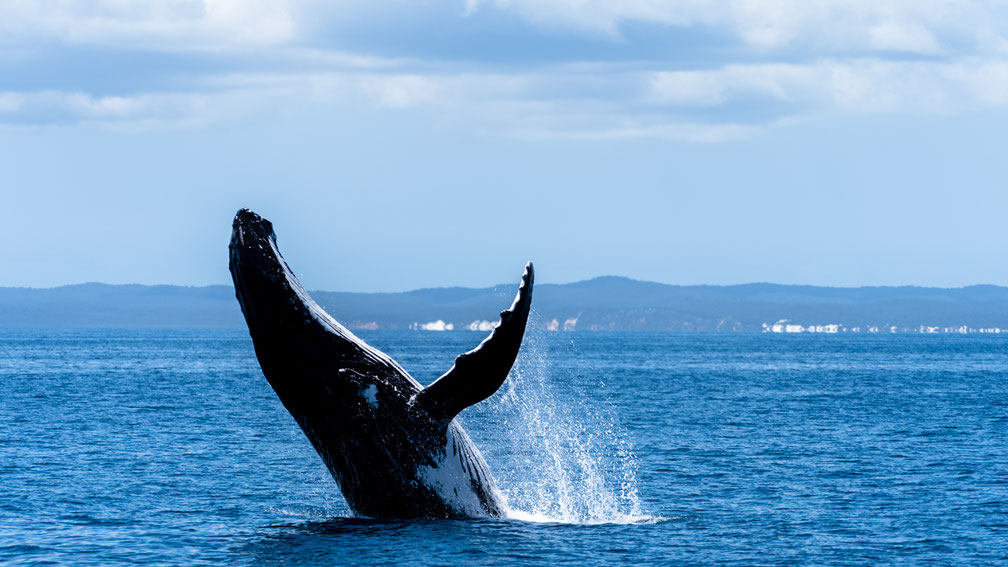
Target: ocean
169, 447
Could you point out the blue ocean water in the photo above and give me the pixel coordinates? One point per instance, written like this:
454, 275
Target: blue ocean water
168, 447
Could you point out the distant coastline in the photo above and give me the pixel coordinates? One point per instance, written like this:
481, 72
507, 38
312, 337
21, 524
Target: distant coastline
785, 326
602, 304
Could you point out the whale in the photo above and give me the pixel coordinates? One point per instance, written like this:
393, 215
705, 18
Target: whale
392, 445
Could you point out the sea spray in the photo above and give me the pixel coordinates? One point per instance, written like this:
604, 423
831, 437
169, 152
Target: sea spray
552, 436
559, 454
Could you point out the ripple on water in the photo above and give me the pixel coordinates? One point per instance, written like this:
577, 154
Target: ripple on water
168, 447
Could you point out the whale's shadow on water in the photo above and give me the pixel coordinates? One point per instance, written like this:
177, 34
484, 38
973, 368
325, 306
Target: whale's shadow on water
442, 542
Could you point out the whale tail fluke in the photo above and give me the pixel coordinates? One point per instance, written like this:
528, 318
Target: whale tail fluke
477, 374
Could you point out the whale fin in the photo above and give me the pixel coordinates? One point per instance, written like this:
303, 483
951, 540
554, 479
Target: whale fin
477, 374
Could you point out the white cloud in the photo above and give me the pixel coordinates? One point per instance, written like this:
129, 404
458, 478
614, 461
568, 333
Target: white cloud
805, 60
902, 25
541, 104
165, 24
826, 25
719, 86
147, 110
986, 81
912, 37
82, 106
401, 91
826, 86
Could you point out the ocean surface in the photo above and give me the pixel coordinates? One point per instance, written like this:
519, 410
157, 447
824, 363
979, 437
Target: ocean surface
169, 447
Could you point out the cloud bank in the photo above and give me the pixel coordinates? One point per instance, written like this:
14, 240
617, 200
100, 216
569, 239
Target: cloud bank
583, 69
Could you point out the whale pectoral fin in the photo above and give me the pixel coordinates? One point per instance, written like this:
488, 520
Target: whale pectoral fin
478, 373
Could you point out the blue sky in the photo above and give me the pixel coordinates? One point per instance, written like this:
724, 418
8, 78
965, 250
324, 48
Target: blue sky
399, 145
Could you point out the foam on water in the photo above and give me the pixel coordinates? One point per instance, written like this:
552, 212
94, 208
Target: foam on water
567, 457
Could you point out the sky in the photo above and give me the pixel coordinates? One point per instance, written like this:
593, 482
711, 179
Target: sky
399, 145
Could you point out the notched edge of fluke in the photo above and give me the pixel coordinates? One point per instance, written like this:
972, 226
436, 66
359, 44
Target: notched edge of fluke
477, 374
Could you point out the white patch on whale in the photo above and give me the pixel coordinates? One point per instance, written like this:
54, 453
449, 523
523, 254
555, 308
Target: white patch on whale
371, 395
451, 477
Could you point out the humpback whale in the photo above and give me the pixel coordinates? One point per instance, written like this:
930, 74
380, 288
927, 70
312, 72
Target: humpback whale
392, 445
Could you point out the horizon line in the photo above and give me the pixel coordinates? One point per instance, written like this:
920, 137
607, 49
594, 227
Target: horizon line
490, 287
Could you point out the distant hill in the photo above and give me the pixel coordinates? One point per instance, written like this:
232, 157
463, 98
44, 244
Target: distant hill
103, 305
605, 303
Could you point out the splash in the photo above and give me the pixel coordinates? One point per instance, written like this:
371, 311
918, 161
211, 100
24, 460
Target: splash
562, 455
